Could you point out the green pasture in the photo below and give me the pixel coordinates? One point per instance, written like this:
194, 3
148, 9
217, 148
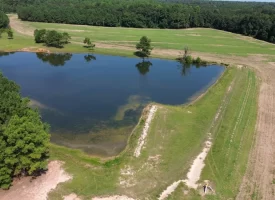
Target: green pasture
198, 40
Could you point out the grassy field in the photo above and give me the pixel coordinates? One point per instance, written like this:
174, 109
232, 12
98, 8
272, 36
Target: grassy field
120, 40
176, 136
177, 133
203, 40
232, 136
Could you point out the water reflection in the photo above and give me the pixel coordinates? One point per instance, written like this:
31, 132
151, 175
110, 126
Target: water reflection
144, 67
55, 59
184, 68
89, 57
5, 53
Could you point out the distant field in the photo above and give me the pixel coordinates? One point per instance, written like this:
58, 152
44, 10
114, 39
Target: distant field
203, 40
198, 40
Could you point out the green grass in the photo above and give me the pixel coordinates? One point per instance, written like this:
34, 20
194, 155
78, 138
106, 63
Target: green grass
198, 40
233, 136
176, 136
227, 160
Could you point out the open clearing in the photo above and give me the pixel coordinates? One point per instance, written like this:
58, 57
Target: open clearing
168, 155
201, 39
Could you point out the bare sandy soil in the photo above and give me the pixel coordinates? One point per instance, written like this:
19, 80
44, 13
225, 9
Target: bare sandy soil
260, 176
19, 26
146, 127
36, 189
116, 197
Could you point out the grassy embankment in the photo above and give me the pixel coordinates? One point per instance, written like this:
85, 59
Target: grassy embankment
176, 136
233, 136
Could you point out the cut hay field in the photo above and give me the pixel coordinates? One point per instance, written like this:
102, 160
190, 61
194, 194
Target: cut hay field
124, 39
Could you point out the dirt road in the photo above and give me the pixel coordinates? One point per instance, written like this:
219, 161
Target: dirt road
259, 181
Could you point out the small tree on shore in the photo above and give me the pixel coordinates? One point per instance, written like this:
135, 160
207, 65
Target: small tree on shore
144, 47
87, 42
51, 38
10, 33
39, 35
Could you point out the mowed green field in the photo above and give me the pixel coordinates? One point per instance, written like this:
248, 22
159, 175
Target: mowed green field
233, 135
198, 40
176, 137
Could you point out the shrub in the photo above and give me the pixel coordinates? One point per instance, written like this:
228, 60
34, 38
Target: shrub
188, 60
51, 38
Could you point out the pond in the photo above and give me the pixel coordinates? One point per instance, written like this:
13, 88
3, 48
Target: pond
92, 102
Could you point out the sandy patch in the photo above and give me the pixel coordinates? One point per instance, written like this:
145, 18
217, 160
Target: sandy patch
72, 196
37, 189
145, 130
35, 49
169, 190
19, 26
272, 63
193, 176
239, 66
116, 197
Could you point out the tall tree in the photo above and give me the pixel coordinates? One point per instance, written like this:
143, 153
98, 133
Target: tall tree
4, 20
144, 47
24, 138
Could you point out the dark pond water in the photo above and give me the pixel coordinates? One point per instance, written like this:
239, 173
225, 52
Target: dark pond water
92, 102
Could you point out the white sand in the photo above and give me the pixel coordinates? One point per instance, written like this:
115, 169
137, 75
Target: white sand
38, 188
72, 196
146, 127
193, 176
169, 190
116, 197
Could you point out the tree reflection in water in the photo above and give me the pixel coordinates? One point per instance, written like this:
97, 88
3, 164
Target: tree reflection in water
144, 67
89, 57
55, 59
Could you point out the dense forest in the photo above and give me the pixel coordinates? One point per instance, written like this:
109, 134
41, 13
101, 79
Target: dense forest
4, 20
24, 139
252, 19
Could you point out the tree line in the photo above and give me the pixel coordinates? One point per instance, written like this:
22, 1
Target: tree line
4, 25
24, 138
4, 20
252, 19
